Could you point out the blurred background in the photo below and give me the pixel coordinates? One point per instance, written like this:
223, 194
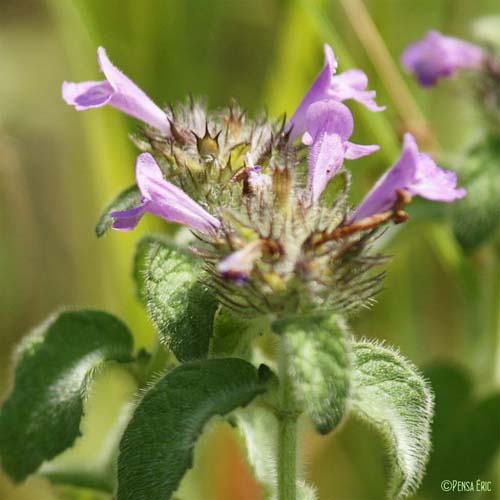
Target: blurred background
58, 168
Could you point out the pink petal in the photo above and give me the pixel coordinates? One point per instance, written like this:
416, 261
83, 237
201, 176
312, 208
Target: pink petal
87, 95
167, 200
126, 220
355, 151
129, 98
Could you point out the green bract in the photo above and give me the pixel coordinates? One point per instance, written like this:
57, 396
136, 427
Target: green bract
181, 308
319, 365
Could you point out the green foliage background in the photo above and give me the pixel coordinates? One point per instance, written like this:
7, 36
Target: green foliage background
58, 168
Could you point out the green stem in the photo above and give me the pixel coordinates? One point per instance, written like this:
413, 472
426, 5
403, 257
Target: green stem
287, 460
287, 440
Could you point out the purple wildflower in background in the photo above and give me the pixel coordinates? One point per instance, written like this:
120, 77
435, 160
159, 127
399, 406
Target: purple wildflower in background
417, 174
163, 199
117, 91
348, 85
329, 124
437, 56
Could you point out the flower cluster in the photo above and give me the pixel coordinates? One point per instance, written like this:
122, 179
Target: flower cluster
252, 189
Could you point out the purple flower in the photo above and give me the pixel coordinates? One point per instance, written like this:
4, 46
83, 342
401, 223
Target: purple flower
348, 85
117, 91
415, 173
329, 124
238, 265
162, 198
257, 181
437, 56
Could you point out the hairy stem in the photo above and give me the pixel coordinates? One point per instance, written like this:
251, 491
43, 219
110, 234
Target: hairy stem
287, 460
287, 439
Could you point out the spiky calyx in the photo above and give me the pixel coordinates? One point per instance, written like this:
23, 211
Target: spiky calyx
290, 254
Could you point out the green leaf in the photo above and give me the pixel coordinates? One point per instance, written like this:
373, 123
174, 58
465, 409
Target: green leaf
317, 349
180, 306
54, 368
129, 198
157, 447
141, 264
229, 330
390, 394
233, 334
463, 427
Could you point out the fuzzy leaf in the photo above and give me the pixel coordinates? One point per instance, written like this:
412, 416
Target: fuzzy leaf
259, 430
128, 198
233, 333
319, 362
228, 332
140, 266
157, 447
54, 367
389, 393
181, 308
